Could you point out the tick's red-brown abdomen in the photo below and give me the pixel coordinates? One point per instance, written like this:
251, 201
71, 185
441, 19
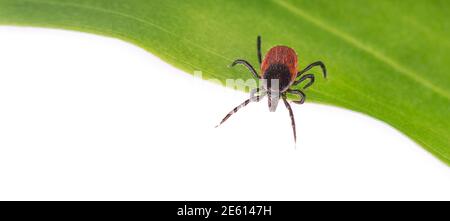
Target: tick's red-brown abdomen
281, 55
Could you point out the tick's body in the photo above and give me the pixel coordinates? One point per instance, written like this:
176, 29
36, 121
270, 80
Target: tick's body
280, 56
278, 73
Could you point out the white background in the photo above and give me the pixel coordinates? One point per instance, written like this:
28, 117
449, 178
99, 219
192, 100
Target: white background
85, 117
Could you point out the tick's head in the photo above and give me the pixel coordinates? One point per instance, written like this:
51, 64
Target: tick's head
273, 99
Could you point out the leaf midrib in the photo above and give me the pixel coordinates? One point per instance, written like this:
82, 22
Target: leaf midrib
364, 47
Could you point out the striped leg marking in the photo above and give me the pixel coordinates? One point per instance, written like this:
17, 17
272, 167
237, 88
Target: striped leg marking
291, 114
251, 99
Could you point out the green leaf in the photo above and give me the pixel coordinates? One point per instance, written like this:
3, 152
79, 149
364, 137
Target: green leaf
388, 59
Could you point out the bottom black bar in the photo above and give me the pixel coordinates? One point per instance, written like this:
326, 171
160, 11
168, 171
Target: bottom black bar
223, 209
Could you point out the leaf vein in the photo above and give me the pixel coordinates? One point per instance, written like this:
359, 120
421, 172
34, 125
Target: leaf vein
364, 47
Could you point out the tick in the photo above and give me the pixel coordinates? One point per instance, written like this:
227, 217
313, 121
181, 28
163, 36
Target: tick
278, 74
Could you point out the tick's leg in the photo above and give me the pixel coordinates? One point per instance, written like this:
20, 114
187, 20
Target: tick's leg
258, 46
310, 77
246, 64
317, 63
291, 114
299, 93
251, 99
254, 92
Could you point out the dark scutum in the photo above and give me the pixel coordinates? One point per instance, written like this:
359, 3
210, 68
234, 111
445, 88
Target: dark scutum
280, 72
